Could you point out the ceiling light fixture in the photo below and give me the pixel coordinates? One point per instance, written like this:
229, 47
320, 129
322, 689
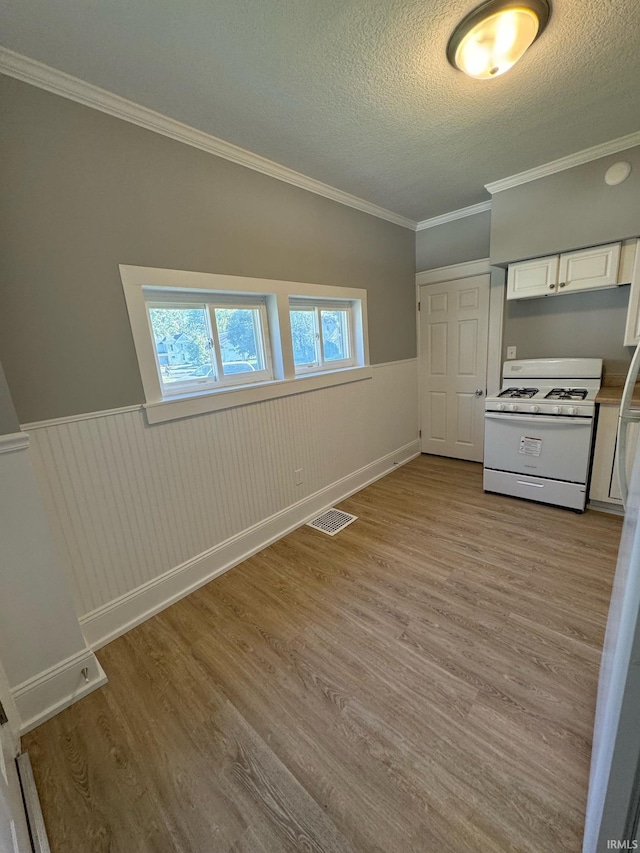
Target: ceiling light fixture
492, 38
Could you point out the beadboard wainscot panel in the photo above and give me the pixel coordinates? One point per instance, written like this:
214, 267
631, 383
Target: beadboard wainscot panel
143, 514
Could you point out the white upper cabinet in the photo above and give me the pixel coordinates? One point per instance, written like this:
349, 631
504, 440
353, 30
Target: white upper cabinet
586, 269
532, 278
589, 268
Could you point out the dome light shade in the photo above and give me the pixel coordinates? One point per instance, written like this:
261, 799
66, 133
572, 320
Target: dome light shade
492, 38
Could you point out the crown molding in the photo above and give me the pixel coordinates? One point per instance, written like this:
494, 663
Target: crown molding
453, 214
453, 272
37, 74
568, 162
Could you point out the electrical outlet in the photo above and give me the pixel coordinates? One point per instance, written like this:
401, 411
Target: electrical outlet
511, 352
298, 473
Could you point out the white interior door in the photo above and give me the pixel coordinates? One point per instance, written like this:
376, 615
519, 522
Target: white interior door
14, 835
454, 331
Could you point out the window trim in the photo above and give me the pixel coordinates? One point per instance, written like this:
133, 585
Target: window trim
143, 283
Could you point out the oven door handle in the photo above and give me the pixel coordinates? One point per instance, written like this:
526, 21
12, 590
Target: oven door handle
540, 419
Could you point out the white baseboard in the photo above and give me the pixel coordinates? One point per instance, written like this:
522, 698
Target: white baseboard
49, 692
605, 506
115, 618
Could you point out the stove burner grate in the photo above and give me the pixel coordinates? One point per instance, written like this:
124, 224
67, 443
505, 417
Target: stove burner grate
567, 394
518, 393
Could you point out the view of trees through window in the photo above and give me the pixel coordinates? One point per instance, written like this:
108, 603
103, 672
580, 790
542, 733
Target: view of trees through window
184, 344
305, 335
238, 344
335, 335
205, 343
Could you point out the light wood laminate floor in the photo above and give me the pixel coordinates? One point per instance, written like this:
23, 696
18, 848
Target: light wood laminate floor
424, 681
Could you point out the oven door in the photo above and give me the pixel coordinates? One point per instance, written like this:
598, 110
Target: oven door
551, 446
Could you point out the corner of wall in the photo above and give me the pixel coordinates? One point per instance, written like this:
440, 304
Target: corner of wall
44, 654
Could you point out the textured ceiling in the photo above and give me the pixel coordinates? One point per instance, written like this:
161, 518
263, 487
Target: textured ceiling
355, 93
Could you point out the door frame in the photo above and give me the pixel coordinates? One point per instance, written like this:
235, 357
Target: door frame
10, 710
11, 730
497, 290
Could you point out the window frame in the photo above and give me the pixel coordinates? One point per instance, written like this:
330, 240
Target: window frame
299, 303
211, 302
148, 284
178, 388
263, 342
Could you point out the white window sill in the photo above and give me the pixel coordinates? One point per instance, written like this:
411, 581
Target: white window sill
227, 398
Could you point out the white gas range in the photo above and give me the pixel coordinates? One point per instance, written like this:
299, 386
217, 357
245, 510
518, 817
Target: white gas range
539, 430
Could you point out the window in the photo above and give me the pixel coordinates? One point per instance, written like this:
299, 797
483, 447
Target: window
212, 344
321, 334
207, 342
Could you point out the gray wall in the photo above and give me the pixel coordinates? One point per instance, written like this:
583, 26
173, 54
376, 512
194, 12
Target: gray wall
465, 239
568, 210
8, 418
582, 325
83, 192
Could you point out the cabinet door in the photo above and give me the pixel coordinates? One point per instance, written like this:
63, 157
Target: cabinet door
538, 277
589, 268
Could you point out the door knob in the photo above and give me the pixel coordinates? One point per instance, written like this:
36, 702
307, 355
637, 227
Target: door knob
479, 392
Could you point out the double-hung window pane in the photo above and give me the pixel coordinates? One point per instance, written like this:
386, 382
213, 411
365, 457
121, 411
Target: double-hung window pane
183, 345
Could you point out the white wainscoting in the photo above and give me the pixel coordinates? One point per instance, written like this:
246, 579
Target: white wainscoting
144, 514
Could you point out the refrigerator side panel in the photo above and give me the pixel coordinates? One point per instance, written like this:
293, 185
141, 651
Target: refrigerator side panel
616, 740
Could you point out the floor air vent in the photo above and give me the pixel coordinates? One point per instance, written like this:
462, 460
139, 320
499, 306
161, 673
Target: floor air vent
332, 521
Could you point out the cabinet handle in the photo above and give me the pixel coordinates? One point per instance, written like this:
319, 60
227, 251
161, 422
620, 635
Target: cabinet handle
551, 286
562, 283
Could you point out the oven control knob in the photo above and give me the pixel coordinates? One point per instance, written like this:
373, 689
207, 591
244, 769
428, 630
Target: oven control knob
572, 410
534, 409
513, 407
501, 407
557, 410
